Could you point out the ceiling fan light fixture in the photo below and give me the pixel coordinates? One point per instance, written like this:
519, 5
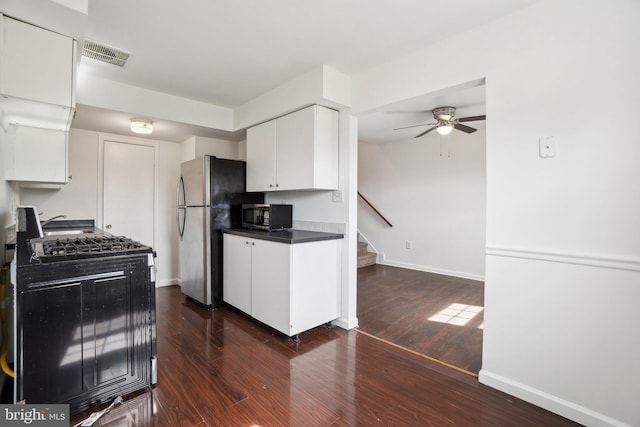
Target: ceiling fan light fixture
142, 126
444, 127
444, 113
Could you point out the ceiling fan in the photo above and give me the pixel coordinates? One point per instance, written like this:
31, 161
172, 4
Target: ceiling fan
445, 122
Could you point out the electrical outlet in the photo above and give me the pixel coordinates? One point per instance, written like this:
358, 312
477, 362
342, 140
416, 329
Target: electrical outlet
338, 196
409, 244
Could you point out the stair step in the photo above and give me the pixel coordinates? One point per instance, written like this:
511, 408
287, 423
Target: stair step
367, 259
362, 248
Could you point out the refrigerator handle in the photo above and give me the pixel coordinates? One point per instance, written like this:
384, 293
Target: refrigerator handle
180, 206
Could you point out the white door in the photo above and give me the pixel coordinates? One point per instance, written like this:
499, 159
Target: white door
129, 190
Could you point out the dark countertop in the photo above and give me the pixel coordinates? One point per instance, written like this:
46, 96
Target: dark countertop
290, 236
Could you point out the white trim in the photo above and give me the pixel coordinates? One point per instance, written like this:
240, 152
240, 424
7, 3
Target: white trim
167, 282
549, 402
368, 242
567, 258
346, 323
427, 269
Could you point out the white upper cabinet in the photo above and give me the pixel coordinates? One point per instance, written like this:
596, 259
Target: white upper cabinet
261, 157
36, 64
36, 155
37, 100
298, 151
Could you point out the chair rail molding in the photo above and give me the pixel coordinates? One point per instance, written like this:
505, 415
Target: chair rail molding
601, 261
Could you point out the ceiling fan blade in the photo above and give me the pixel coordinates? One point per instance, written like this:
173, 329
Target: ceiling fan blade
414, 126
464, 128
473, 118
425, 132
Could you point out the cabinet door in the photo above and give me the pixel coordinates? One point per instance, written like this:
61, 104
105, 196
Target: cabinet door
271, 281
51, 351
315, 284
295, 150
107, 331
236, 272
261, 157
327, 147
36, 64
39, 155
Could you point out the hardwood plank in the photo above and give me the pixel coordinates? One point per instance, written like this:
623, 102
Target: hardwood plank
221, 368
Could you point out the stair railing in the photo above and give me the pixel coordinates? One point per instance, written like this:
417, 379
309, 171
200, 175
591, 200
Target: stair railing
374, 209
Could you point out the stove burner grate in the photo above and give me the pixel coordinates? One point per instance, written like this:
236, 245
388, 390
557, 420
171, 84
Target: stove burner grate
89, 245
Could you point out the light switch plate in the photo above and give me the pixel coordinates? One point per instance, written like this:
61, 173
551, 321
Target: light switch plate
338, 196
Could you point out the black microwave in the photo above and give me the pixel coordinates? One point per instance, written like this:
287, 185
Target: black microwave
267, 216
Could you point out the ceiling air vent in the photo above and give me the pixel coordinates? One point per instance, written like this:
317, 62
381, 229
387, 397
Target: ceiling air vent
104, 53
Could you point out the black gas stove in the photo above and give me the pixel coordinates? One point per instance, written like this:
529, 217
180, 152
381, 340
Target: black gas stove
76, 289
67, 248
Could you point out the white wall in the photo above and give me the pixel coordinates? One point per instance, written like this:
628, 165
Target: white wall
197, 146
104, 93
433, 191
563, 242
166, 232
79, 198
8, 199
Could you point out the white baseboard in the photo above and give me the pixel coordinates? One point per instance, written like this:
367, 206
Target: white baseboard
167, 282
346, 323
549, 402
427, 269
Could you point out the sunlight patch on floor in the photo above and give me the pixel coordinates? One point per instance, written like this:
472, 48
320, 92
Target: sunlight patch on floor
457, 314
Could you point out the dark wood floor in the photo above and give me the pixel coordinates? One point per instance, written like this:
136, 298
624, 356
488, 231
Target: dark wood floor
396, 304
221, 368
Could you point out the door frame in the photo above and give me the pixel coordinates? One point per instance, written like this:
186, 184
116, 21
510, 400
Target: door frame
156, 174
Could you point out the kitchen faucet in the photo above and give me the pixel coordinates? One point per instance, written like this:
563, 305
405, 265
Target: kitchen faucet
47, 221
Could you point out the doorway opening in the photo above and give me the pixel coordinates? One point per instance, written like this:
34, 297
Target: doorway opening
426, 293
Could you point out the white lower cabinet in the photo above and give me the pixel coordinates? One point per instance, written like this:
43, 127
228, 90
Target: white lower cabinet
236, 272
290, 287
271, 284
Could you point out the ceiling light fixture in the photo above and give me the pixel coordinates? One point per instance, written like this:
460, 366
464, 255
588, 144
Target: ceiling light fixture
444, 127
141, 126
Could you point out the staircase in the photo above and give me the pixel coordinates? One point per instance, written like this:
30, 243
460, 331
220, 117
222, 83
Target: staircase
365, 258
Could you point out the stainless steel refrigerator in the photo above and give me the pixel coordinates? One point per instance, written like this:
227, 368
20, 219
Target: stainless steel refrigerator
210, 195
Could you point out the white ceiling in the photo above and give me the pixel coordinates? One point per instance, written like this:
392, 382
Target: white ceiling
229, 52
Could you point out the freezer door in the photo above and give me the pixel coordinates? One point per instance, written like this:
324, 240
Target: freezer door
195, 175
195, 247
